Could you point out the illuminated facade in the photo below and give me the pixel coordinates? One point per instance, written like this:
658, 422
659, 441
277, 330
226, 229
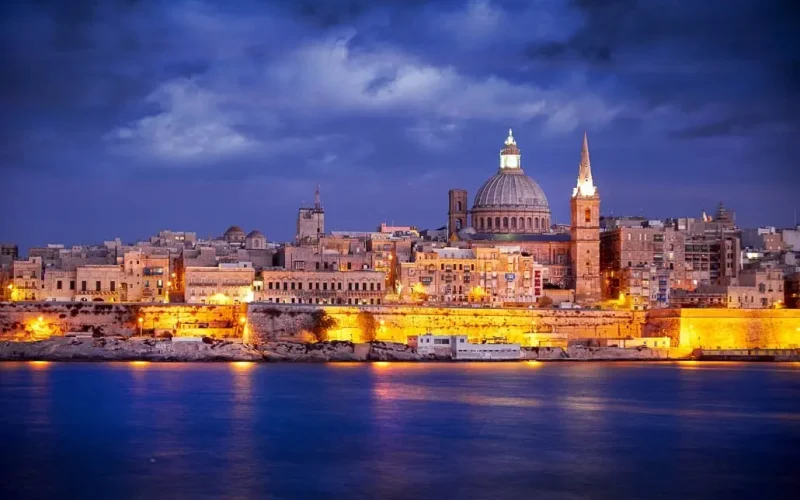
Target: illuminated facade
224, 284
26, 279
322, 287
510, 208
499, 275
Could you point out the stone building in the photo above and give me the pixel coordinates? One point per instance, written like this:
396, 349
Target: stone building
756, 289
98, 283
310, 222
499, 275
224, 284
25, 282
638, 287
322, 287
791, 289
147, 277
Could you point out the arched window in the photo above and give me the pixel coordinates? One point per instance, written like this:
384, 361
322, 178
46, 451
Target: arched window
505, 222
521, 224
497, 222
530, 223
458, 224
489, 223
458, 206
513, 223
536, 222
480, 223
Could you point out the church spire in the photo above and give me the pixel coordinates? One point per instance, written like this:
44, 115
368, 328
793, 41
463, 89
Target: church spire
585, 185
317, 203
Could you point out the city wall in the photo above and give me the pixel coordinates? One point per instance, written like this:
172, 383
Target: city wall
395, 323
689, 328
726, 328
41, 320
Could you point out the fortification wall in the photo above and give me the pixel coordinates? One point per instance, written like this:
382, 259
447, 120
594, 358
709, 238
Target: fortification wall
396, 323
726, 328
689, 328
40, 320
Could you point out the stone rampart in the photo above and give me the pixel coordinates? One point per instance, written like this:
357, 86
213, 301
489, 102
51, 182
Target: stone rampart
41, 320
395, 323
726, 328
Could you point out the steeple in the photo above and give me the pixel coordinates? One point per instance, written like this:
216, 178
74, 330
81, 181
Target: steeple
585, 186
509, 155
317, 203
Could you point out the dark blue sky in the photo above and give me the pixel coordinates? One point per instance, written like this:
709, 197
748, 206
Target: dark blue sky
120, 118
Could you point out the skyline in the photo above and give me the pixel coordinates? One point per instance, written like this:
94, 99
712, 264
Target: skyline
131, 117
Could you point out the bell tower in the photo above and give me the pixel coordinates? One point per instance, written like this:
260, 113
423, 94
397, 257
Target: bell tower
457, 211
585, 232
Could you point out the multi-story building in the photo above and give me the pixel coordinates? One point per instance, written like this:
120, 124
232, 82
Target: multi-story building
8, 254
638, 287
791, 289
25, 282
98, 283
500, 275
147, 277
756, 289
60, 285
322, 287
224, 284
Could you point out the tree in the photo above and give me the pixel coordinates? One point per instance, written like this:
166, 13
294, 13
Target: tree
545, 301
321, 323
366, 323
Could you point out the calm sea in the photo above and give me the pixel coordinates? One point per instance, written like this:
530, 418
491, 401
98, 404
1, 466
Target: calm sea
385, 431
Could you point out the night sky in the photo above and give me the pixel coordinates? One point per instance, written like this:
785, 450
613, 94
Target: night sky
123, 118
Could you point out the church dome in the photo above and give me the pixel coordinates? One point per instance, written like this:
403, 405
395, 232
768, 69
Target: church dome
511, 189
510, 201
234, 234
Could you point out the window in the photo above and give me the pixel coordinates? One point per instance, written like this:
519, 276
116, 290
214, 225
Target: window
113, 286
97, 286
379, 287
325, 286
269, 285
339, 285
497, 222
317, 265
587, 215
505, 222
513, 223
458, 206
349, 287
489, 223
536, 222
372, 287
300, 286
285, 285
292, 287
72, 284
160, 283
356, 286
58, 285
349, 266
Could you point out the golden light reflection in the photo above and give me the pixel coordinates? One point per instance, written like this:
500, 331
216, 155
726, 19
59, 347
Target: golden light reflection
381, 364
534, 363
139, 363
243, 365
39, 365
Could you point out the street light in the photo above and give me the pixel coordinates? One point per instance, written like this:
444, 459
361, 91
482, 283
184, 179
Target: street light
140, 320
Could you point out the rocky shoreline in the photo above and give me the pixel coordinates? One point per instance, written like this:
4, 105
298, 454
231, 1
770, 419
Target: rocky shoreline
213, 350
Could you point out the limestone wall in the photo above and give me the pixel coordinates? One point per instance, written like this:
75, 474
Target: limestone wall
689, 328
727, 328
396, 323
40, 320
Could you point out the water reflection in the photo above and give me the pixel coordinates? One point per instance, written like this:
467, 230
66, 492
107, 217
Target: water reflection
438, 431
